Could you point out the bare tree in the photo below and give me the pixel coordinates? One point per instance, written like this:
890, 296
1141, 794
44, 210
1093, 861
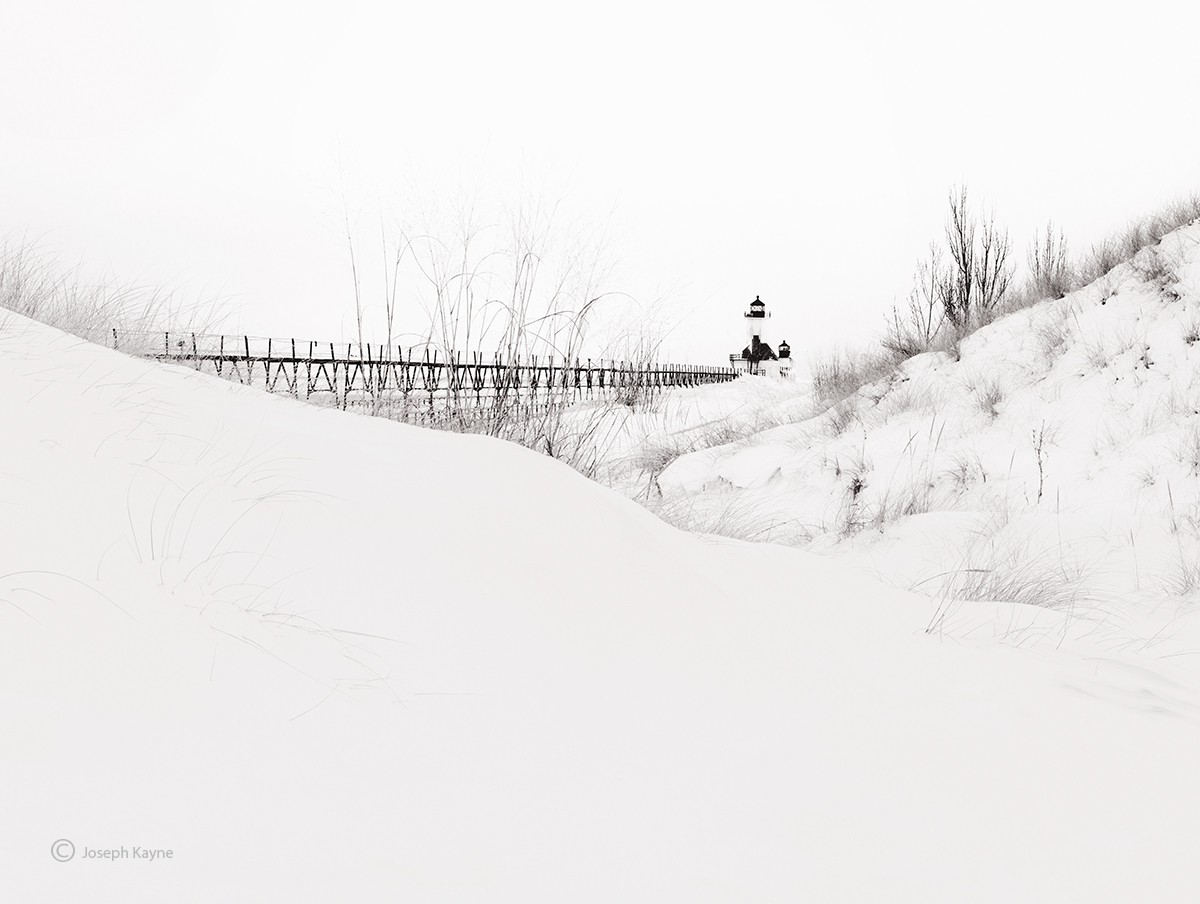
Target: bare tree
960, 241
994, 271
980, 272
962, 284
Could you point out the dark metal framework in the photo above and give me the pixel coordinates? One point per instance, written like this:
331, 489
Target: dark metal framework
323, 372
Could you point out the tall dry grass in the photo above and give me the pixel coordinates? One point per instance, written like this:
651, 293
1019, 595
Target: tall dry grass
40, 285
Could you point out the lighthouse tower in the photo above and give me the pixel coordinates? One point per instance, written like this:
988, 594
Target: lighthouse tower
755, 318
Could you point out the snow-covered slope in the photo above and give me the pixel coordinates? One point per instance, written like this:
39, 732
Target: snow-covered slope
321, 657
1054, 461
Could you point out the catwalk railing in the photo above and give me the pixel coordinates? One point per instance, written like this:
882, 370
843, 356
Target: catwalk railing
417, 381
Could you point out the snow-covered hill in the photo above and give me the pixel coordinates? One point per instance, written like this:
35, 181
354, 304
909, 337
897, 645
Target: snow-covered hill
321, 657
1055, 460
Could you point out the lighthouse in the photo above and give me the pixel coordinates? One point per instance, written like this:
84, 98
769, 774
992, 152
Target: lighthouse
758, 357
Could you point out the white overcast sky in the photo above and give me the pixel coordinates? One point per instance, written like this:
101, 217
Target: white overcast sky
787, 150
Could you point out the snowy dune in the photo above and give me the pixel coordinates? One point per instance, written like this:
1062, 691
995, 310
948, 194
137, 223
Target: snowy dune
1056, 461
321, 657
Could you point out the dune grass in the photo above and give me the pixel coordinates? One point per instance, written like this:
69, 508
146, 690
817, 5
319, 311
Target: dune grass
41, 285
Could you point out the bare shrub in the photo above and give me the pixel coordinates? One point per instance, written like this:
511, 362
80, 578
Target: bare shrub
916, 330
971, 279
1049, 265
980, 271
968, 283
1038, 441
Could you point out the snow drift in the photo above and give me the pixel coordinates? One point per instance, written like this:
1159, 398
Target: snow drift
320, 657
